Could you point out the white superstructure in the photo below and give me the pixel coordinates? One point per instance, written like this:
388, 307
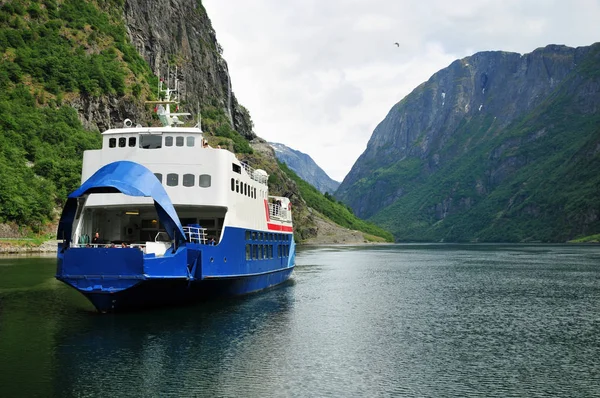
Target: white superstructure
208, 186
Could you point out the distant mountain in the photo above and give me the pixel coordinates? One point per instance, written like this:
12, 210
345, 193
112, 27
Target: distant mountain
498, 146
306, 168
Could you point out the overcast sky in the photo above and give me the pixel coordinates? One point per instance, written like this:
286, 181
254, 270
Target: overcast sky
319, 75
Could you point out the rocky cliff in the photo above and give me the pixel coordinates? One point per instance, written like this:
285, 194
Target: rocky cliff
476, 152
178, 36
306, 168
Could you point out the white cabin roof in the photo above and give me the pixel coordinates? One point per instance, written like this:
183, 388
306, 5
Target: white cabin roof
154, 130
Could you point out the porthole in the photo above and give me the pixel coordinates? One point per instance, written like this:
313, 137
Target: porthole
204, 180
172, 179
189, 180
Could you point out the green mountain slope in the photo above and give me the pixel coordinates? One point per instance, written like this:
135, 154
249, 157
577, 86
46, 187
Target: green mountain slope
332, 209
535, 179
52, 52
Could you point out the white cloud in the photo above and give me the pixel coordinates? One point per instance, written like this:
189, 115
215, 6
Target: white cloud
319, 76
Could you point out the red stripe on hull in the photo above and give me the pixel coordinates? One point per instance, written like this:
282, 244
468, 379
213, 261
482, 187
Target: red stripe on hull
277, 227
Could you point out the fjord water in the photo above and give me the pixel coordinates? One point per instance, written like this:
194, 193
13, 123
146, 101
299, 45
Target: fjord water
394, 320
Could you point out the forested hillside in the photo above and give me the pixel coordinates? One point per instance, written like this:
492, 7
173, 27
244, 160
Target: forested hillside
53, 53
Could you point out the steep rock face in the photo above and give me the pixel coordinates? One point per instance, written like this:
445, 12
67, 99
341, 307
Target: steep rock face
470, 129
306, 168
178, 33
102, 113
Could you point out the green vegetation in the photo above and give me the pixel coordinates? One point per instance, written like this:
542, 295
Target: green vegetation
336, 211
51, 53
216, 122
587, 239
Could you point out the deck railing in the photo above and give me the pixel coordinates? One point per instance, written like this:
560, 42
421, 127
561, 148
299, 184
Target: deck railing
261, 178
195, 234
278, 212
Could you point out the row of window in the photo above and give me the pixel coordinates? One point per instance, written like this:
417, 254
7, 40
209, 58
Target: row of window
151, 141
187, 180
264, 252
243, 188
268, 236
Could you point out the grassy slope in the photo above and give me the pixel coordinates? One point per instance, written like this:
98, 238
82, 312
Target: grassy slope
332, 209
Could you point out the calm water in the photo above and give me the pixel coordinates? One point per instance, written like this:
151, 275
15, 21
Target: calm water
398, 320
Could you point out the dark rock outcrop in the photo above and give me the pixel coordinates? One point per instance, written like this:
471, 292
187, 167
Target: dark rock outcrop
178, 36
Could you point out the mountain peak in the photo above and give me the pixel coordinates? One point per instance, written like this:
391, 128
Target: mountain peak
306, 168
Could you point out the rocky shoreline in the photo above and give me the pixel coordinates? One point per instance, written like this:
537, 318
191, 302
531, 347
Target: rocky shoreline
46, 247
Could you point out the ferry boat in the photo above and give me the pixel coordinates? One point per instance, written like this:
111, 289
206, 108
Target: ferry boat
161, 218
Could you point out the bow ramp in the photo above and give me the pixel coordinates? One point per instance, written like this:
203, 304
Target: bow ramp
104, 269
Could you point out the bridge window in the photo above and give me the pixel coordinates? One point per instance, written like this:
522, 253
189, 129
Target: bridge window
122, 142
190, 141
132, 141
168, 141
112, 143
204, 180
189, 180
236, 168
150, 141
179, 141
172, 179
159, 176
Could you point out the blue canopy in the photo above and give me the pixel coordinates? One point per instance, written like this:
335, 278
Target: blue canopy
131, 179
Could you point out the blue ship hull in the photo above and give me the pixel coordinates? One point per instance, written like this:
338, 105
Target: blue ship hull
122, 279
160, 293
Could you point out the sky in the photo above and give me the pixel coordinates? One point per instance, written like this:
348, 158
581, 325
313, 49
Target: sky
319, 75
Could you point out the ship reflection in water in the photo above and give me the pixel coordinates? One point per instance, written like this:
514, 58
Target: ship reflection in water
181, 351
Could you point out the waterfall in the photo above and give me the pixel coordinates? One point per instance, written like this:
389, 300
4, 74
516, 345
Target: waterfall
229, 97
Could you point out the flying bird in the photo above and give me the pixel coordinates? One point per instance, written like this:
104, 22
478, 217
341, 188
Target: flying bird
397, 44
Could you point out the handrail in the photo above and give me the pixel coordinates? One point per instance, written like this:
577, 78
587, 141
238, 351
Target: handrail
195, 234
279, 212
261, 178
